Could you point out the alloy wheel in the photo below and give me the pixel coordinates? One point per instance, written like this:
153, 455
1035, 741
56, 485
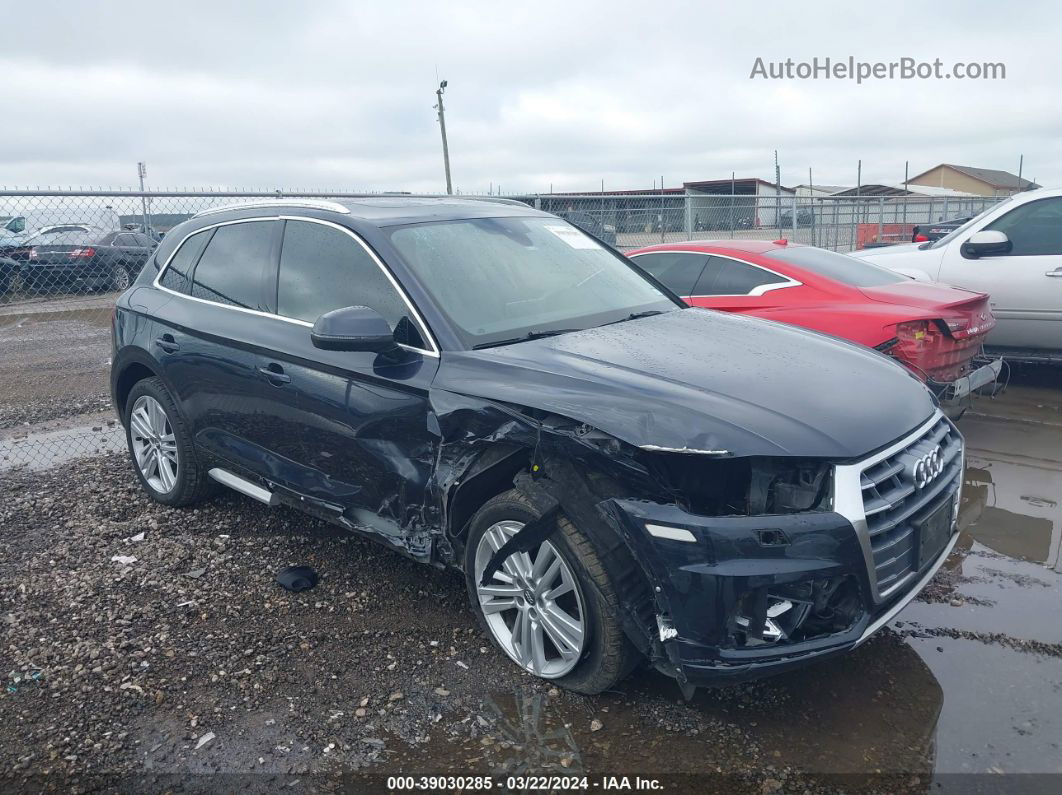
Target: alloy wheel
154, 444
120, 279
533, 604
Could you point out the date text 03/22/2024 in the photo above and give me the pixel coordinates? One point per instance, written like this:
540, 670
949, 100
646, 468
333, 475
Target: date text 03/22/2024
523, 783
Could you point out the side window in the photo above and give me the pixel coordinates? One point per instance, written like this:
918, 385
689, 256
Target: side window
738, 278
1033, 228
124, 240
676, 270
143, 240
322, 268
176, 276
230, 269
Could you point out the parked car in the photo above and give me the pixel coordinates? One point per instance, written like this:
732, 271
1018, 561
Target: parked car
76, 256
936, 330
926, 232
805, 217
483, 386
1013, 252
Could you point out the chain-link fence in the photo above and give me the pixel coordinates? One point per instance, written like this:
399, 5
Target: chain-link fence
842, 223
66, 256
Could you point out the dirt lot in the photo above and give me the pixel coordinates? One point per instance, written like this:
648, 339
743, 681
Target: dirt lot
181, 665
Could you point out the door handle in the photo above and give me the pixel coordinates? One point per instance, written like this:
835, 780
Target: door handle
275, 374
1056, 273
168, 343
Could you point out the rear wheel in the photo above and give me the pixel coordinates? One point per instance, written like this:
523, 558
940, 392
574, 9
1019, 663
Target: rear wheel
553, 609
161, 447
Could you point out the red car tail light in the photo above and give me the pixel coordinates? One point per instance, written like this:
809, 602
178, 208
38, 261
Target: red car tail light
83, 253
935, 353
921, 239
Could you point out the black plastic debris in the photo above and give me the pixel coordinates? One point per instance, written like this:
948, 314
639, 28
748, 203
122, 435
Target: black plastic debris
297, 578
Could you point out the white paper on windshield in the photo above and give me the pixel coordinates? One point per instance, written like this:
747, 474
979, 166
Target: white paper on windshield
573, 237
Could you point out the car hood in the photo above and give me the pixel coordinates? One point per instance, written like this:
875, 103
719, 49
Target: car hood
704, 380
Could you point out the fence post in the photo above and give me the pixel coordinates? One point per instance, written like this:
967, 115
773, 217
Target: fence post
881, 218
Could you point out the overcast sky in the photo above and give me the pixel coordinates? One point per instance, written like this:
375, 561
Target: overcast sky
340, 94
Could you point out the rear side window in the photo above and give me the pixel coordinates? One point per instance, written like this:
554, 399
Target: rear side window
729, 277
176, 277
322, 268
230, 269
676, 270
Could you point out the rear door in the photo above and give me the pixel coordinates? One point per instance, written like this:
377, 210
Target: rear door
1025, 285
207, 336
361, 419
737, 286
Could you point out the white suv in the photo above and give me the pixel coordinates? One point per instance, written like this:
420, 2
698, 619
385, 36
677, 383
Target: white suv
1013, 252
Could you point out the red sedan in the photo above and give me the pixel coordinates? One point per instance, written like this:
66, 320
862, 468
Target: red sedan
934, 329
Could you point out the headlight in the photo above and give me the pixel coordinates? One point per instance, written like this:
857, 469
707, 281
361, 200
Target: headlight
742, 486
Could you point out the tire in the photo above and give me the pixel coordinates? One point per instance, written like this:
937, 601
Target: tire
604, 655
186, 481
120, 278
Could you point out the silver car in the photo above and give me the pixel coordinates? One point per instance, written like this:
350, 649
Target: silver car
1013, 252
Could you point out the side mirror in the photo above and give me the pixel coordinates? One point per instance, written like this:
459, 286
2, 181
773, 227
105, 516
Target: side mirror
986, 243
353, 328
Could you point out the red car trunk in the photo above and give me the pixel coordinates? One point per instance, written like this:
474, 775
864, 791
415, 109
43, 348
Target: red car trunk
943, 344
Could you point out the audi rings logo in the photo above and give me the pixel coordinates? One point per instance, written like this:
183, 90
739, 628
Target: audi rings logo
928, 467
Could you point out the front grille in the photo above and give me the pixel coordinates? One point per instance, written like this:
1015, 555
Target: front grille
893, 502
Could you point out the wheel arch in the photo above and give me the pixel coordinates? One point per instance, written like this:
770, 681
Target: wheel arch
130, 367
491, 475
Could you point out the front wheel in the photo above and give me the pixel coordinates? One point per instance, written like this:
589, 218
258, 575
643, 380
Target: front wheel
553, 609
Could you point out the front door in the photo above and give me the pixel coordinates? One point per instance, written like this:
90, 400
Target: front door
361, 418
1025, 285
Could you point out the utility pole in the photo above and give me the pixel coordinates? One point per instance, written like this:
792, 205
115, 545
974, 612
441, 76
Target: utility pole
778, 194
442, 128
1021, 163
141, 170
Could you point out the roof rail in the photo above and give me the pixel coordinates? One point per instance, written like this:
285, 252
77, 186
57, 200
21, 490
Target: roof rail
495, 200
312, 204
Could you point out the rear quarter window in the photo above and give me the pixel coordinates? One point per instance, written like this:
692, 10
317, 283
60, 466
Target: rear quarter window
177, 274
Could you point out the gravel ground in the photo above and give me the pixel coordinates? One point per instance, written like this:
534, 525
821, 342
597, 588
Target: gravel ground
190, 659
41, 410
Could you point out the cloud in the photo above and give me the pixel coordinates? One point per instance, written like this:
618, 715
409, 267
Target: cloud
336, 95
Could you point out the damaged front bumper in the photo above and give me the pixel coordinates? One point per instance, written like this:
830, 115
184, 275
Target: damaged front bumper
809, 572
739, 597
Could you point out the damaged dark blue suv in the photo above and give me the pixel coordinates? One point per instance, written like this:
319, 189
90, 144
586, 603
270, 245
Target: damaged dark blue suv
483, 386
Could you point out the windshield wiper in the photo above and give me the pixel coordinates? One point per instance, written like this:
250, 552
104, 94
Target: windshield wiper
636, 315
531, 335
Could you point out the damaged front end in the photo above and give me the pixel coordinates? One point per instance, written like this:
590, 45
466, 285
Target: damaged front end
745, 565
